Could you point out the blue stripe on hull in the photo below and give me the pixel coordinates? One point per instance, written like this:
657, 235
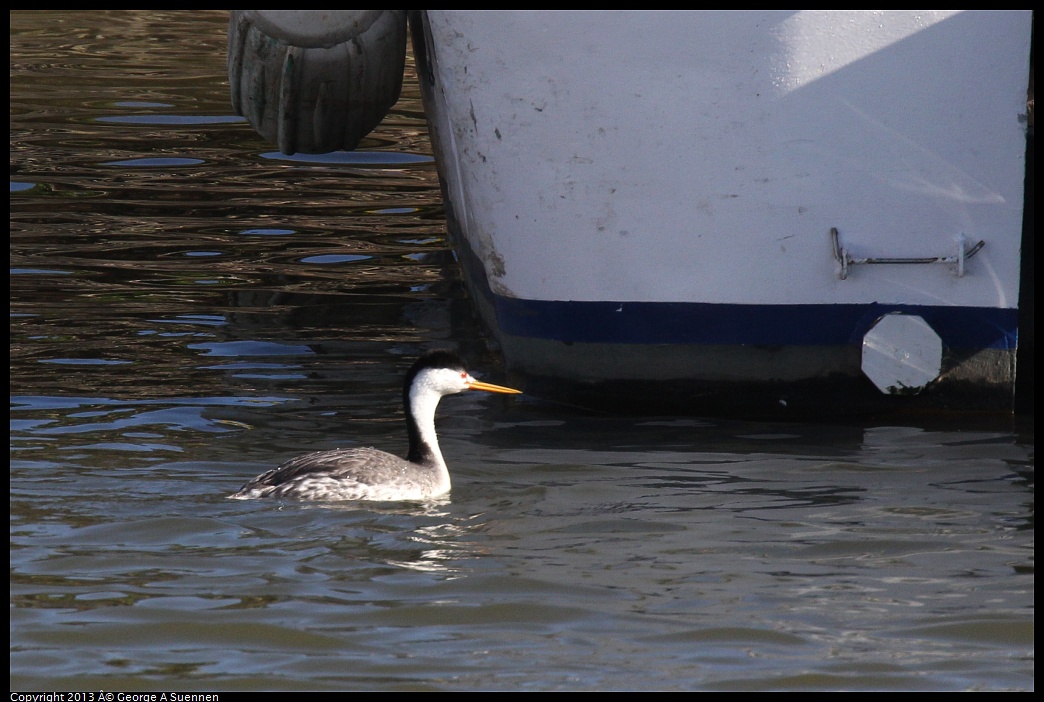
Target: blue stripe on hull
759, 325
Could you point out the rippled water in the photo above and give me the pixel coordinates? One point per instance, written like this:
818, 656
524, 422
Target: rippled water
189, 308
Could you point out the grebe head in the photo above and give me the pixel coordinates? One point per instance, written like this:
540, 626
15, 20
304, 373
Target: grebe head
439, 373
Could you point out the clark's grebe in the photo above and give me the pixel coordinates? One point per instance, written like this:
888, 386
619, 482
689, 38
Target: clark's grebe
370, 474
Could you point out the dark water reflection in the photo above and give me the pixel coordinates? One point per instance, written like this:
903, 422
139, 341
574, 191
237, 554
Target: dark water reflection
188, 309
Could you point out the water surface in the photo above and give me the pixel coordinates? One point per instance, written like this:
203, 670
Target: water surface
189, 309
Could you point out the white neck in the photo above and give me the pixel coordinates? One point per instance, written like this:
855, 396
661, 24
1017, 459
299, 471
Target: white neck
423, 401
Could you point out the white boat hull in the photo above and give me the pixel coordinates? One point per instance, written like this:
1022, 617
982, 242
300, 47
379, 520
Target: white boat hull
787, 212
649, 197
